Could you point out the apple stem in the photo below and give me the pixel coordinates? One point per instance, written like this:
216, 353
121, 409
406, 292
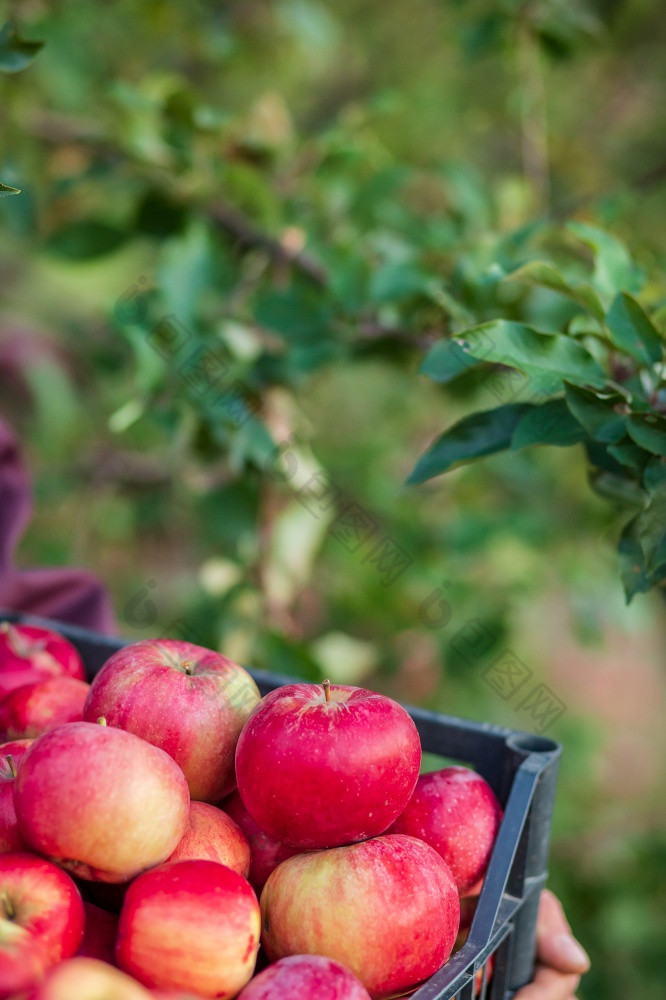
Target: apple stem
6, 904
101, 721
327, 689
189, 666
10, 764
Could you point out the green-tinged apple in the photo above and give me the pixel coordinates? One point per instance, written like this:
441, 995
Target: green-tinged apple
10, 755
99, 936
43, 900
213, 836
185, 699
306, 977
266, 852
102, 802
455, 811
29, 653
190, 925
88, 979
33, 709
386, 908
321, 765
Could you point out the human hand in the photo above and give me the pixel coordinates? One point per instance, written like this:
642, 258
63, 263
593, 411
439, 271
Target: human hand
560, 959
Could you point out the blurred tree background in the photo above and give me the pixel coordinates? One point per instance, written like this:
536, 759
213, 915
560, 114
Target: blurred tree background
241, 228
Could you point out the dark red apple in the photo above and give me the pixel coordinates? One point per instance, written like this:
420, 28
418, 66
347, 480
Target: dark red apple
387, 909
213, 836
190, 925
266, 853
307, 977
29, 653
455, 811
99, 936
104, 803
185, 699
33, 709
321, 765
41, 898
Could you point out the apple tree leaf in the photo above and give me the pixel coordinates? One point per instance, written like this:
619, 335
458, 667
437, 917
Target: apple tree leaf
472, 437
544, 275
16, 52
632, 331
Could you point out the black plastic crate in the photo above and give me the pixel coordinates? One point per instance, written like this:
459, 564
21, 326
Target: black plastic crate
522, 770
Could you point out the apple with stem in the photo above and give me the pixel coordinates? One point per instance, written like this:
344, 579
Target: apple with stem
455, 811
190, 925
321, 765
10, 755
102, 802
187, 700
387, 909
43, 900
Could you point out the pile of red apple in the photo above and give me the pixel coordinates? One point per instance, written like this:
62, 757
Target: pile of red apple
164, 830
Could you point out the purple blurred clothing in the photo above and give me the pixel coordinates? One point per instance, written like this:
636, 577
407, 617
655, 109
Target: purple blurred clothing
70, 595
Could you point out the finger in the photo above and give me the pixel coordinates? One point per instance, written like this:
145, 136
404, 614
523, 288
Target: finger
548, 984
556, 945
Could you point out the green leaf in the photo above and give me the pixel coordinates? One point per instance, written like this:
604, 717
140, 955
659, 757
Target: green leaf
15, 52
549, 423
654, 474
629, 455
632, 331
614, 270
297, 315
446, 360
621, 488
545, 358
472, 437
596, 413
5, 190
541, 274
651, 530
396, 281
633, 570
85, 240
649, 432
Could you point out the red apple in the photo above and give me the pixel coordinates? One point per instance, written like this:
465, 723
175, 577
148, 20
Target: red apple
33, 709
99, 936
88, 979
190, 925
103, 802
266, 853
322, 765
455, 811
187, 700
42, 899
305, 976
10, 755
29, 653
387, 909
213, 836
22, 960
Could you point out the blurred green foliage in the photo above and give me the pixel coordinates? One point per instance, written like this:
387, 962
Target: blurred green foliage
243, 230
